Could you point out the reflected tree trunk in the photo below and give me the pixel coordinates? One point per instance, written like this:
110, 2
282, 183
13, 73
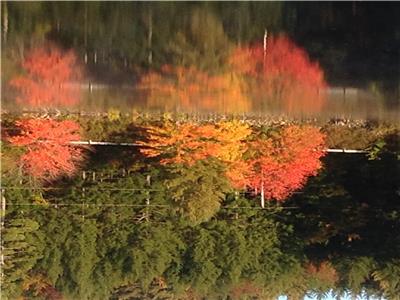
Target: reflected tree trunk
5, 21
150, 37
85, 33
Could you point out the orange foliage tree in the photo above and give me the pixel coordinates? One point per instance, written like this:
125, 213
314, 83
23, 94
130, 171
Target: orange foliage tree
284, 73
274, 166
49, 152
191, 89
186, 143
47, 82
280, 164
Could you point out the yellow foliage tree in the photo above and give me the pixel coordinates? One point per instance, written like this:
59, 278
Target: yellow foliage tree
187, 143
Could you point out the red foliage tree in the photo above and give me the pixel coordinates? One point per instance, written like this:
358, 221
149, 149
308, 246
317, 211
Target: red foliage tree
47, 82
284, 73
280, 164
49, 153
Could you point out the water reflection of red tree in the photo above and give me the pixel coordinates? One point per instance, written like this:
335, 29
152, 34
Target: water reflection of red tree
48, 152
50, 73
283, 74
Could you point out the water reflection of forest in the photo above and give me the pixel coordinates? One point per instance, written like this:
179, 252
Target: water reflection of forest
165, 219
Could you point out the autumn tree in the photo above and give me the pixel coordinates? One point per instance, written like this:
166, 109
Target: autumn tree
188, 142
274, 166
48, 152
280, 163
283, 73
48, 78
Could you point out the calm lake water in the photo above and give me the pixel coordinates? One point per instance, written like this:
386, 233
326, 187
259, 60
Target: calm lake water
339, 103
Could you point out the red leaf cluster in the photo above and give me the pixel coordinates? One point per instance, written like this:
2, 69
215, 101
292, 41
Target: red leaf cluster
48, 78
280, 164
49, 154
284, 73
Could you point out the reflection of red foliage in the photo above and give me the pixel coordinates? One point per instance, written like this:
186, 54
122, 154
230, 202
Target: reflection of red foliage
279, 165
48, 79
285, 74
49, 153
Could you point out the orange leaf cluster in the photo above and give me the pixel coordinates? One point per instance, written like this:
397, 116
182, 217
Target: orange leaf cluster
284, 73
47, 82
281, 164
49, 154
187, 143
278, 165
192, 89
